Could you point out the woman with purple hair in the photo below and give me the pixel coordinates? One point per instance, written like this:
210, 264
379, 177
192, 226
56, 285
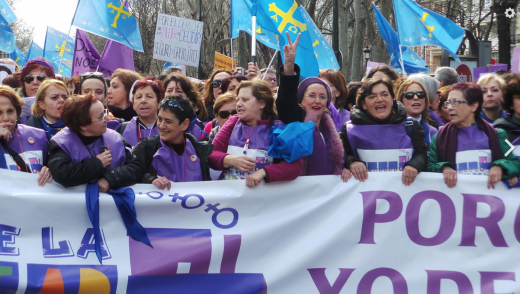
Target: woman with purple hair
468, 145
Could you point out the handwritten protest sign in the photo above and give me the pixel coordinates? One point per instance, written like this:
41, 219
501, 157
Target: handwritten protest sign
178, 40
224, 62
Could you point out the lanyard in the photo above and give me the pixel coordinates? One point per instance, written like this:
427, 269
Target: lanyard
246, 145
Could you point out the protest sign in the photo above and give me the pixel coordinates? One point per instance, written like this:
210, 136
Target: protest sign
312, 235
515, 63
224, 62
485, 70
177, 40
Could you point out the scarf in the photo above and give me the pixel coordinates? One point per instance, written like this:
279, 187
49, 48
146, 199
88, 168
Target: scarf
51, 129
447, 141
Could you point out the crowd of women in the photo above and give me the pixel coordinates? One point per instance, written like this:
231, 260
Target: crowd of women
132, 129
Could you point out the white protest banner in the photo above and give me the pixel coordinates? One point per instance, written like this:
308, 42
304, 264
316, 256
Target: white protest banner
177, 40
311, 235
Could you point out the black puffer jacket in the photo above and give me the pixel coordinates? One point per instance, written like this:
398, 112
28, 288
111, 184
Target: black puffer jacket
70, 174
509, 124
360, 117
145, 150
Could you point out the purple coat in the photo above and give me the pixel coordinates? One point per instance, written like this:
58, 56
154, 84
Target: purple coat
71, 144
177, 168
33, 143
131, 136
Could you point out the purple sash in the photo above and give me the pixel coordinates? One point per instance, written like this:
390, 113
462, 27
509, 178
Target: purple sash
130, 133
381, 147
257, 148
194, 129
33, 150
72, 145
473, 152
113, 124
177, 168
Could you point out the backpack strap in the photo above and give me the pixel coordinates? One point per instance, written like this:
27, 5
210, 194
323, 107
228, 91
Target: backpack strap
409, 127
22, 166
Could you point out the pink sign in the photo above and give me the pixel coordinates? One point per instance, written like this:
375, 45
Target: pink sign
515, 63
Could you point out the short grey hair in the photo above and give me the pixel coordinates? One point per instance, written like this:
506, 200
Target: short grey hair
447, 75
431, 84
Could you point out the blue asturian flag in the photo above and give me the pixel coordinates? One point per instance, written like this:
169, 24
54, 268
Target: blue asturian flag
7, 38
66, 67
241, 13
19, 57
419, 26
109, 19
34, 51
412, 62
7, 12
58, 45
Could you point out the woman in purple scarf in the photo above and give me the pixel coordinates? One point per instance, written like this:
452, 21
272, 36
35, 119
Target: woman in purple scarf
24, 148
145, 96
380, 138
175, 155
240, 147
310, 101
469, 145
85, 151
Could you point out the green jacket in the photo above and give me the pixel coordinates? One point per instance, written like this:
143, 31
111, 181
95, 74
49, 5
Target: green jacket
510, 164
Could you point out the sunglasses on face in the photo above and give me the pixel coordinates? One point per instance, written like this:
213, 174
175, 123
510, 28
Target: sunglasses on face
216, 83
225, 113
409, 95
29, 79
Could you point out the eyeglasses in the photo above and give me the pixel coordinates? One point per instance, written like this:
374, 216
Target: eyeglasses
454, 103
271, 79
172, 103
216, 83
225, 113
30, 78
104, 118
409, 95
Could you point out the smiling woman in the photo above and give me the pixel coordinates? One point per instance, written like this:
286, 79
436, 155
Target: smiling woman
377, 139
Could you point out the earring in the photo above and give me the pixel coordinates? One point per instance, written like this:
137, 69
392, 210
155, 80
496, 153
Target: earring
84, 129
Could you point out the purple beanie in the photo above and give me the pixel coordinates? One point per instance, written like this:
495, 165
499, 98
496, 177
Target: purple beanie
309, 81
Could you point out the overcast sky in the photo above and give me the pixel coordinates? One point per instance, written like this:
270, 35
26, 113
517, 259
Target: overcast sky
42, 13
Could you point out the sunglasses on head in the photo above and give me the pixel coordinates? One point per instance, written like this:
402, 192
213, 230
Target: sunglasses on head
28, 79
216, 83
172, 103
89, 75
225, 113
409, 95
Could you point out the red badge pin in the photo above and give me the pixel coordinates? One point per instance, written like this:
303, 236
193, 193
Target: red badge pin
193, 158
30, 140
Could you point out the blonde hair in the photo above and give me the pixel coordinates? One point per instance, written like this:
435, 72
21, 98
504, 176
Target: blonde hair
40, 95
404, 86
484, 80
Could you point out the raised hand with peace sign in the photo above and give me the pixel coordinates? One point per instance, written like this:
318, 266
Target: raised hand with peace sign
289, 52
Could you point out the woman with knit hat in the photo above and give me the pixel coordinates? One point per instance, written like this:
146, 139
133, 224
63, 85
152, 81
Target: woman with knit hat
33, 74
309, 101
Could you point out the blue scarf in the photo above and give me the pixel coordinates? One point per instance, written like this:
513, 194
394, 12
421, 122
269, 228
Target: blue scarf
3, 163
124, 199
51, 129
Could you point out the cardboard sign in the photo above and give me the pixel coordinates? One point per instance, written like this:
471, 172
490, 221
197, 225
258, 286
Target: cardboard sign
224, 62
178, 40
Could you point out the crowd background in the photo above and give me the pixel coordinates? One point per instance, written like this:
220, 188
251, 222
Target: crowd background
137, 128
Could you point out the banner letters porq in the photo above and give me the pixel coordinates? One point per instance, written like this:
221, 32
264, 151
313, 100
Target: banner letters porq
178, 40
311, 235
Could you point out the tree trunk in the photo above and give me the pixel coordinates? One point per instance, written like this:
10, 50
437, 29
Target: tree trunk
344, 39
357, 46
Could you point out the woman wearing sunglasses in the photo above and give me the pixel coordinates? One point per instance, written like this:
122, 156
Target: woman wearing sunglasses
212, 90
414, 97
86, 151
145, 97
180, 84
224, 107
48, 106
23, 148
174, 155
379, 138
33, 74
468, 145
240, 147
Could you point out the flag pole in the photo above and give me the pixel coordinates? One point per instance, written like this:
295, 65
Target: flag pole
253, 39
269, 66
401, 61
